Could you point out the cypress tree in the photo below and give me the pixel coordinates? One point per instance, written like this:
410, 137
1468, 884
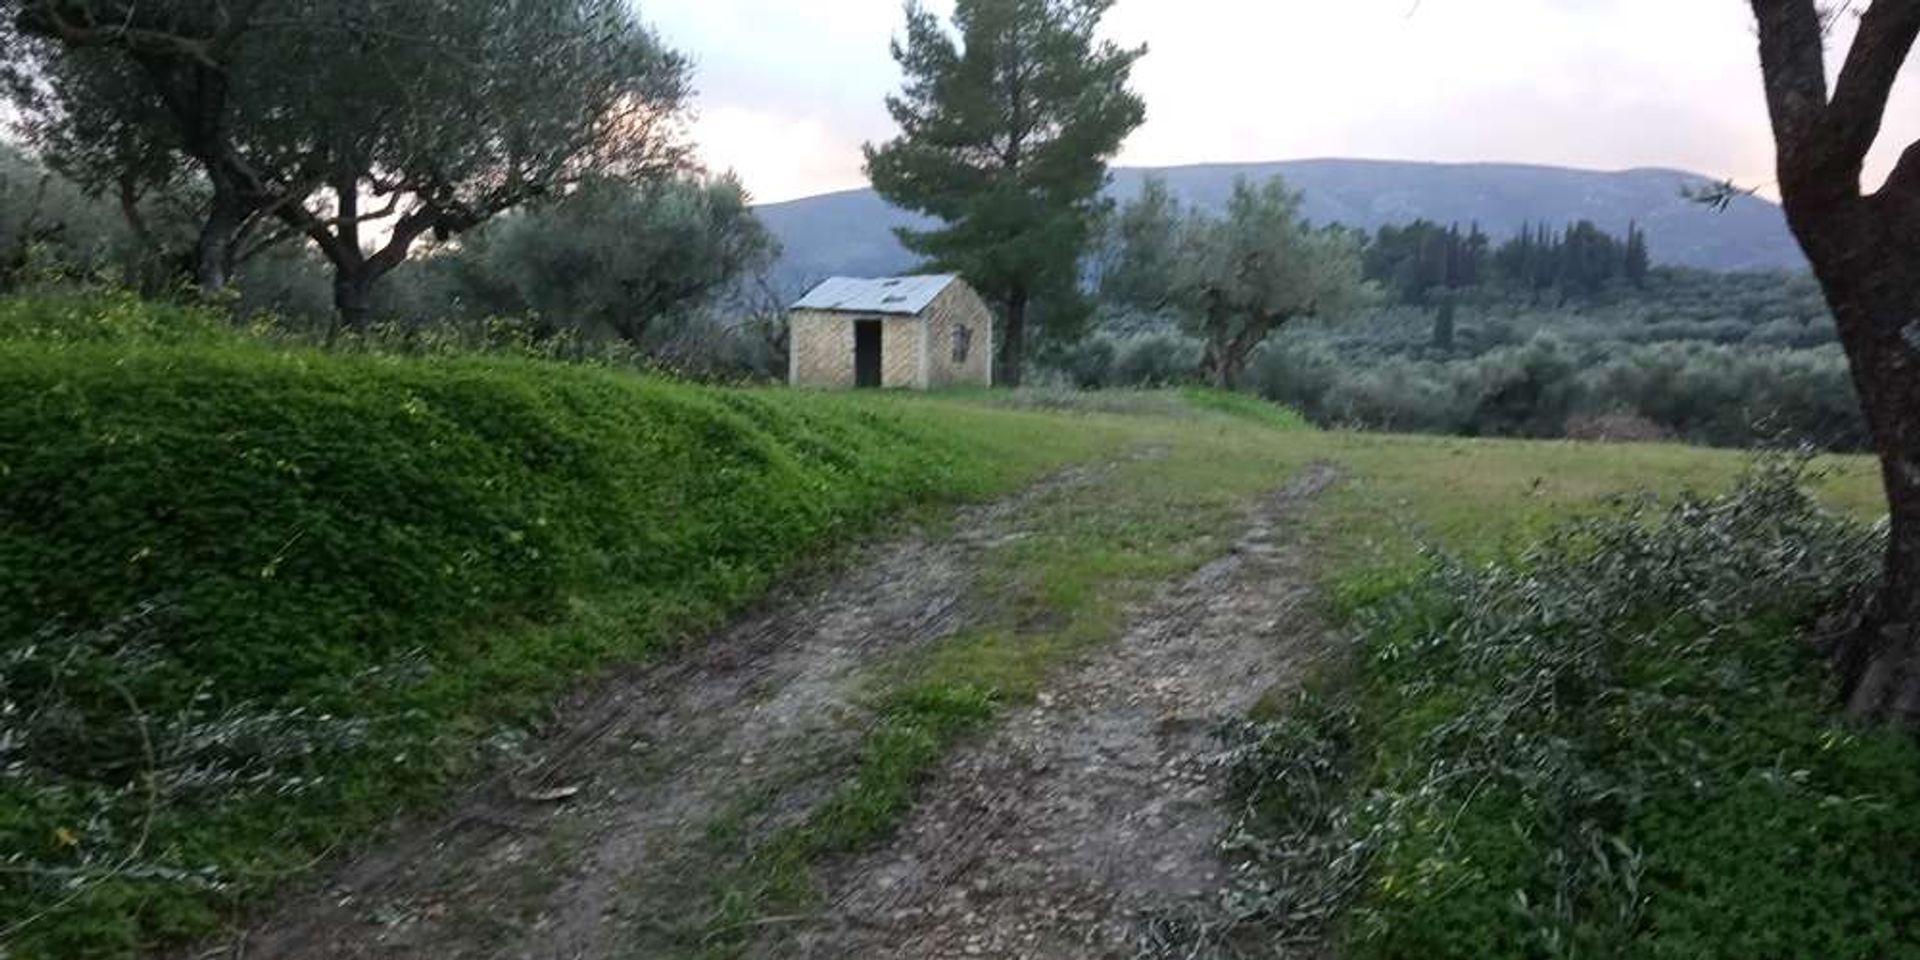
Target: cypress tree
1639, 262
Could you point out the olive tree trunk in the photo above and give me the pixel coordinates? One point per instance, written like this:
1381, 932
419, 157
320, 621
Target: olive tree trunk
1876, 295
1223, 364
1865, 249
353, 296
219, 234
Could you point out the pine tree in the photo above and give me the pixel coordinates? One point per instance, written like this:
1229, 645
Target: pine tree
1007, 124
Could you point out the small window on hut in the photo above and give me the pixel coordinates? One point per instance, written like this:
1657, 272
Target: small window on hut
962, 343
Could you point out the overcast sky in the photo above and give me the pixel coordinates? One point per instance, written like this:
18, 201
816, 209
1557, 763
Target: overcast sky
789, 89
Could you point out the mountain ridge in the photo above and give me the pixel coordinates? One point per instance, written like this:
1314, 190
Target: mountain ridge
850, 232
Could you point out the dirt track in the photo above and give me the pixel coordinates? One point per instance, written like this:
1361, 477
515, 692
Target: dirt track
1093, 810
1051, 837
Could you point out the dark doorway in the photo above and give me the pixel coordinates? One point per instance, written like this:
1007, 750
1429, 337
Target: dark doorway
866, 353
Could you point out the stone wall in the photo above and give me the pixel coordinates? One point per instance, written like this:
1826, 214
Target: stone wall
957, 307
820, 349
900, 352
915, 352
821, 353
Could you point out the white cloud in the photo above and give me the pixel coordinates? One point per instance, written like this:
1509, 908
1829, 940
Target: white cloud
1619, 84
779, 157
791, 89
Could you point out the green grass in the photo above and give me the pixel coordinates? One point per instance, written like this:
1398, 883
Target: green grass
1489, 496
1244, 406
1612, 743
261, 599
425, 551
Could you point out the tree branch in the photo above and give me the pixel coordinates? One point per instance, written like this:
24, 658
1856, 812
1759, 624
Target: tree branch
1887, 33
246, 254
1793, 61
75, 25
1903, 185
297, 217
410, 228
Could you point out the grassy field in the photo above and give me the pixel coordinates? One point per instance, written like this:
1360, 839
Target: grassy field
264, 599
1066, 590
1591, 725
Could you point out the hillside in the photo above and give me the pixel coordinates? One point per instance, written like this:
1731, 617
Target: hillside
851, 233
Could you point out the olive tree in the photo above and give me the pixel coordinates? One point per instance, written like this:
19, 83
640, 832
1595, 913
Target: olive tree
1243, 276
363, 126
1865, 250
521, 101
1231, 279
613, 258
125, 94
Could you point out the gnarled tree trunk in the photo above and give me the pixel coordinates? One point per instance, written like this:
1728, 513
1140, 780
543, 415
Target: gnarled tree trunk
219, 233
1224, 360
353, 296
1865, 249
1872, 283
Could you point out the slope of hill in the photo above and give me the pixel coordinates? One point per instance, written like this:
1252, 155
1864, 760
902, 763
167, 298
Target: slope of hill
852, 232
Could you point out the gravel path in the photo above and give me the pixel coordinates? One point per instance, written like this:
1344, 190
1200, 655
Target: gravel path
1094, 809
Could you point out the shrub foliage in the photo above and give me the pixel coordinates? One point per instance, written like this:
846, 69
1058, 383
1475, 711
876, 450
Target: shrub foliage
1616, 744
1735, 360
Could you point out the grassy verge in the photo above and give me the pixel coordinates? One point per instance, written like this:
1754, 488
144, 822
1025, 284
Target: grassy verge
259, 599
1614, 742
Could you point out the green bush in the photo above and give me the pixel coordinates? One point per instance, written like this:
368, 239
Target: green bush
1743, 396
57, 315
1152, 359
1086, 364
1617, 744
260, 598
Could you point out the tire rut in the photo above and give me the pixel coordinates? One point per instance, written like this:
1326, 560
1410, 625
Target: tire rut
533, 864
1096, 808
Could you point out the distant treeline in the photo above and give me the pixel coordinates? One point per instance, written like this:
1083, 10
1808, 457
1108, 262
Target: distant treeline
1423, 260
1551, 333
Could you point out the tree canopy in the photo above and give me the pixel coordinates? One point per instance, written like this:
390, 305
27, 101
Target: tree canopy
613, 258
1007, 123
327, 117
1232, 279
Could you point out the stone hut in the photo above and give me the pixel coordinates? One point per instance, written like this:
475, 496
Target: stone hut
919, 333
